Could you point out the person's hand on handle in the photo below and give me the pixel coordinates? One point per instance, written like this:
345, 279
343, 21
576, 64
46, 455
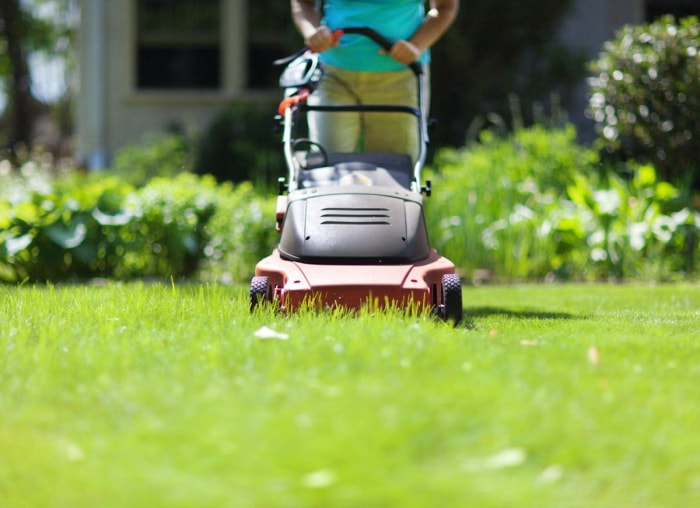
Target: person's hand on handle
405, 52
320, 40
317, 37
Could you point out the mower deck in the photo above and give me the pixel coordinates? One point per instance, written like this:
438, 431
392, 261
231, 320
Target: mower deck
293, 284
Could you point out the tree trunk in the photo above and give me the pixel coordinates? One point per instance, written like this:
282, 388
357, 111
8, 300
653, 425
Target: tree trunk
19, 94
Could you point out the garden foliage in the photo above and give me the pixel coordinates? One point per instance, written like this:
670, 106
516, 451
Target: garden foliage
535, 205
80, 227
645, 96
530, 205
164, 155
241, 145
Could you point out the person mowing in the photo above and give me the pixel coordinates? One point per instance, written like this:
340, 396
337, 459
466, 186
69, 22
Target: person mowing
358, 72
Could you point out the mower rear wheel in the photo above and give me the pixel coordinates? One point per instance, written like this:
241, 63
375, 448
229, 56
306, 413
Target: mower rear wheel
452, 298
260, 291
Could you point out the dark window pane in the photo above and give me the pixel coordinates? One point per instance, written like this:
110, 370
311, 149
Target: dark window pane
678, 8
178, 44
178, 16
178, 68
274, 36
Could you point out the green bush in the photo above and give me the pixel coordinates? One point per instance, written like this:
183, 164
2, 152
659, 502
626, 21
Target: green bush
80, 227
165, 155
490, 196
645, 97
627, 229
242, 145
61, 230
167, 235
241, 232
533, 206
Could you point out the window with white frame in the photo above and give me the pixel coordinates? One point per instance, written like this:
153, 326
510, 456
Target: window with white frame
178, 45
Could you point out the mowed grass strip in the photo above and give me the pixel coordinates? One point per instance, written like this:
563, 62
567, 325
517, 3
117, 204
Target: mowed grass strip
146, 395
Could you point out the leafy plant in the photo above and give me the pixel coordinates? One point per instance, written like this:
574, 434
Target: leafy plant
81, 227
533, 205
645, 96
164, 155
241, 145
629, 229
168, 235
240, 233
493, 196
62, 229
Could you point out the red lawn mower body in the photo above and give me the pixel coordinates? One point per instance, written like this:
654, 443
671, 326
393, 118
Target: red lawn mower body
352, 228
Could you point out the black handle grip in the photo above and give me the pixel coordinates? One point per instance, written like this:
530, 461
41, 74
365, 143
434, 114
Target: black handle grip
383, 42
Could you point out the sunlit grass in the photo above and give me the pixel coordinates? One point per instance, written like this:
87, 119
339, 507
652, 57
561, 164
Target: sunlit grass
139, 395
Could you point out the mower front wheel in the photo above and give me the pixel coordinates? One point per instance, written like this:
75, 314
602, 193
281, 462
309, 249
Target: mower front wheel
260, 291
452, 298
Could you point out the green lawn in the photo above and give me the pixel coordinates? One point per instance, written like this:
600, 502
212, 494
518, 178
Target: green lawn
158, 396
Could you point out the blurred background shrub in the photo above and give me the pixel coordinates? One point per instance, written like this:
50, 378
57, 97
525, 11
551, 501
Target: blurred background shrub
534, 205
80, 227
645, 97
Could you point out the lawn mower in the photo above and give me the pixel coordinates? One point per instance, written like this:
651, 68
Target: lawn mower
352, 227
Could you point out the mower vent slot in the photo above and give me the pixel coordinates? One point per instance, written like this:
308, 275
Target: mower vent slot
355, 216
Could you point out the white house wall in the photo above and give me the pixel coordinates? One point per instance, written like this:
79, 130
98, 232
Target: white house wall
111, 112
91, 104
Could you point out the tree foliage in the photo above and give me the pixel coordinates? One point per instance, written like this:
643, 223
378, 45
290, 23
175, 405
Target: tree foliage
25, 28
645, 96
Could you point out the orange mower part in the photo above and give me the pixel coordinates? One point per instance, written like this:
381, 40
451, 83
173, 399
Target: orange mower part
429, 285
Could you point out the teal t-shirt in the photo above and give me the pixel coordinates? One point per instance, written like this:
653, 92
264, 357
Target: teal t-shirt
394, 19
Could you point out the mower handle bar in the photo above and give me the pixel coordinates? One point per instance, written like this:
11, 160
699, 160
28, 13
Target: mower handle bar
287, 105
382, 41
369, 108
370, 33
